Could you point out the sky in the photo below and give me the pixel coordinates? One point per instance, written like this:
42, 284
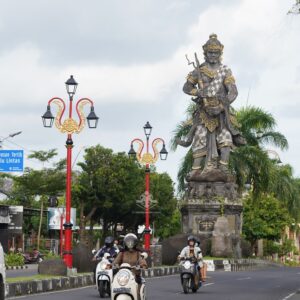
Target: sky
129, 57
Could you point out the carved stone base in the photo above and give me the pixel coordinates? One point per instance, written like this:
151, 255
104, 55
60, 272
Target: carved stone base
209, 203
212, 192
211, 175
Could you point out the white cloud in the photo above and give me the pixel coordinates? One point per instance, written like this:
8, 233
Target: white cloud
261, 46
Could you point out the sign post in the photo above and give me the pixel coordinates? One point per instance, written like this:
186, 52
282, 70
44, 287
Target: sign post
11, 160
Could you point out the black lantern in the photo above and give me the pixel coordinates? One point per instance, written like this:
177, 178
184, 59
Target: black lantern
52, 201
71, 86
131, 152
92, 118
147, 130
48, 118
163, 153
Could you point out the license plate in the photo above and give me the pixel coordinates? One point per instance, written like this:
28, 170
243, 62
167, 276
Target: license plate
122, 290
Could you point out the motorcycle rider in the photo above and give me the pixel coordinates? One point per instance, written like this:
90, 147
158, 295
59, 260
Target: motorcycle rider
131, 255
107, 248
194, 251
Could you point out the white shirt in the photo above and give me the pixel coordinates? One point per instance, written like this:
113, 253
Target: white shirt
186, 252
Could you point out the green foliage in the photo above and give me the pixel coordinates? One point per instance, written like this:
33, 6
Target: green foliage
51, 255
109, 186
286, 247
43, 156
271, 247
264, 218
14, 259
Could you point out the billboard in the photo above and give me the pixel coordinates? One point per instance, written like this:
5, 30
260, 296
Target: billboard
11, 160
12, 218
54, 217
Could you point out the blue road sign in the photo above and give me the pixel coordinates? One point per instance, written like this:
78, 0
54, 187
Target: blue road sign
11, 160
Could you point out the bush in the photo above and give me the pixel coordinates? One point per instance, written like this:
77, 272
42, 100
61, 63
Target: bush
51, 255
286, 247
14, 259
271, 247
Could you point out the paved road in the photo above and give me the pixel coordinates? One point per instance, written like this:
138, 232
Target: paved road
270, 284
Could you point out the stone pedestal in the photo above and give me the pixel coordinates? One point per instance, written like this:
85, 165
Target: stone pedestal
201, 208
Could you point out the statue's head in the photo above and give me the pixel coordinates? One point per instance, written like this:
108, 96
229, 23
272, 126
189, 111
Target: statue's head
213, 49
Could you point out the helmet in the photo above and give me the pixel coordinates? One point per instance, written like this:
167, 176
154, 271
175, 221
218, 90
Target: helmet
109, 241
130, 240
191, 238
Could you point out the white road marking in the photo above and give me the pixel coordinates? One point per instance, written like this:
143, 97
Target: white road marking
289, 296
246, 278
206, 284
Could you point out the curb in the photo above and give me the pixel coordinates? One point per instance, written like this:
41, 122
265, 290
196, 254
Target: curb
16, 267
48, 285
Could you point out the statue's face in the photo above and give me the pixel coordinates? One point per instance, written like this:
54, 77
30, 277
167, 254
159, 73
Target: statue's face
213, 57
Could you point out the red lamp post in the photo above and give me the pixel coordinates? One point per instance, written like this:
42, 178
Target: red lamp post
147, 159
69, 126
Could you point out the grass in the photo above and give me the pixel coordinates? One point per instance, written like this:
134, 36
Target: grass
30, 278
36, 277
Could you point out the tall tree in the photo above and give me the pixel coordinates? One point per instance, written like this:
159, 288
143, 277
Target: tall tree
42, 183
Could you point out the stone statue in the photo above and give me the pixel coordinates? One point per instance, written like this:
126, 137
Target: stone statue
213, 130
212, 205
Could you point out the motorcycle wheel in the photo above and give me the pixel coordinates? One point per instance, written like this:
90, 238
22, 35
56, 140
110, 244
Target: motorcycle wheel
108, 290
185, 285
101, 289
2, 291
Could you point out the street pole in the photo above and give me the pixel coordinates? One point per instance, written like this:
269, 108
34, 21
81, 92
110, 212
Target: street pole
69, 126
147, 210
147, 159
61, 234
68, 258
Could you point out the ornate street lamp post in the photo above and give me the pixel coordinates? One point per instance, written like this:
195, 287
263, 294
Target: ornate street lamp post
69, 126
147, 159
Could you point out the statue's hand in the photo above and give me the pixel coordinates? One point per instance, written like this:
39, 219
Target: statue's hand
201, 93
178, 141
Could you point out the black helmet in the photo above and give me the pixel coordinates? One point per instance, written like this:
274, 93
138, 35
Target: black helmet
130, 241
109, 241
191, 238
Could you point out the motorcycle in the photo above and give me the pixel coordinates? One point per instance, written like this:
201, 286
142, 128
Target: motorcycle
104, 276
189, 275
125, 287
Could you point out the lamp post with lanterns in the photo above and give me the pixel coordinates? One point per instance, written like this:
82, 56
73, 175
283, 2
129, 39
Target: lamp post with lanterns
147, 159
69, 126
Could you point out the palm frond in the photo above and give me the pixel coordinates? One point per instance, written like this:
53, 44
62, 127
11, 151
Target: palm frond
251, 117
274, 138
184, 168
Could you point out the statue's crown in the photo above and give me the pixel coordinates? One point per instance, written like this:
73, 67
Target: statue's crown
213, 44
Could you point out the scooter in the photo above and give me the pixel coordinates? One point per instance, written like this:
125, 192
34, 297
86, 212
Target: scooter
104, 276
189, 275
125, 287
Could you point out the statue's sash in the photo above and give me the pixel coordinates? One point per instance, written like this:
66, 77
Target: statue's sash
217, 82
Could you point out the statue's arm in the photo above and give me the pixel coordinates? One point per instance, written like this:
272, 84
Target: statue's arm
232, 91
189, 139
190, 86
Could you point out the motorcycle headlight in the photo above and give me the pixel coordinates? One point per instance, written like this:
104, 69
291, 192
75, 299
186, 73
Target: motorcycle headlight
103, 265
123, 277
187, 264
